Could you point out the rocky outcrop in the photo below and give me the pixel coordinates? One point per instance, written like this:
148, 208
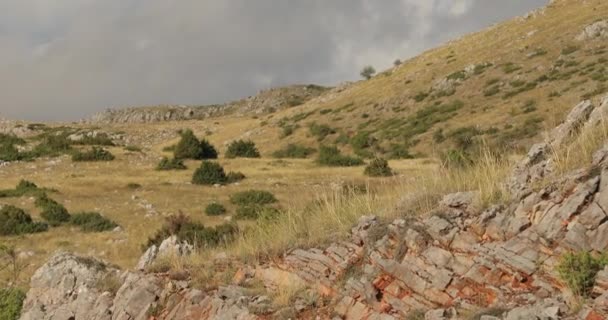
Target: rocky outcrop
168, 248
265, 101
595, 30
453, 261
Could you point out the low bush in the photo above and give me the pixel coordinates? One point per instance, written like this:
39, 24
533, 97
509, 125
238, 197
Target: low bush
331, 156
215, 209
53, 212
95, 154
253, 197
578, 271
11, 302
189, 147
209, 173
293, 151
193, 232
378, 168
132, 148
242, 149
92, 222
14, 221
133, 186
320, 131
23, 188
171, 164
256, 212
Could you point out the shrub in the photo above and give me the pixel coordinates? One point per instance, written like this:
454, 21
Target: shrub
253, 197
320, 131
209, 173
171, 164
133, 148
242, 149
92, 222
331, 156
23, 188
14, 221
400, 151
53, 212
378, 168
254, 212
578, 271
189, 147
95, 154
11, 302
215, 209
133, 185
368, 72
101, 139
293, 151
194, 233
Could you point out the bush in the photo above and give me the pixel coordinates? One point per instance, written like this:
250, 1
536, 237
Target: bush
92, 222
254, 212
242, 149
331, 156
194, 233
95, 154
209, 173
23, 188
189, 147
14, 221
215, 209
53, 212
378, 168
293, 151
578, 271
320, 131
253, 197
171, 164
368, 72
11, 302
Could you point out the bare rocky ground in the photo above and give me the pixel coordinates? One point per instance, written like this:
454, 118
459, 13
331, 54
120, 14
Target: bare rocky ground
450, 263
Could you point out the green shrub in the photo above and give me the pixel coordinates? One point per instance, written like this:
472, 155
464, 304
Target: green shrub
52, 145
11, 302
189, 147
320, 131
92, 222
23, 188
293, 151
578, 271
361, 142
101, 139
53, 212
331, 156
171, 164
378, 168
14, 221
132, 148
242, 149
253, 197
95, 154
209, 173
193, 232
215, 209
368, 72
400, 151
255, 212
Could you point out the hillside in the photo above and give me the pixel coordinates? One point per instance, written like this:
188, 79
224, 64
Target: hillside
505, 85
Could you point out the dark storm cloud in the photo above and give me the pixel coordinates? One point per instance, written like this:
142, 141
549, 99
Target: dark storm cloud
66, 59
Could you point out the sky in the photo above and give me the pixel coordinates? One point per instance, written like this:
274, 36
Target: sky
67, 59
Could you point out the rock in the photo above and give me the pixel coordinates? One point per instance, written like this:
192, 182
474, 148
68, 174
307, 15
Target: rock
460, 200
597, 29
169, 247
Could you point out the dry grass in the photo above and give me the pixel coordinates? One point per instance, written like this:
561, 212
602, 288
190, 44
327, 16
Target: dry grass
579, 152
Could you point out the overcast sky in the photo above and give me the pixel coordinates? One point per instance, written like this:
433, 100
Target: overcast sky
66, 59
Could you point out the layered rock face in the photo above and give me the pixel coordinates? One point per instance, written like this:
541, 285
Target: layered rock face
441, 266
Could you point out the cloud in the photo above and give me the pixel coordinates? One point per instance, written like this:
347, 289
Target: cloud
65, 59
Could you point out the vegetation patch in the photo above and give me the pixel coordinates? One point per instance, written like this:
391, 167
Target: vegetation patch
331, 156
92, 222
293, 151
242, 149
53, 212
578, 271
209, 173
253, 197
193, 232
320, 131
11, 302
190, 147
171, 164
215, 209
24, 188
14, 221
95, 154
378, 168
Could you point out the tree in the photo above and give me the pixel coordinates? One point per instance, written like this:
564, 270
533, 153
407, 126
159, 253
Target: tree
397, 63
189, 147
368, 72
